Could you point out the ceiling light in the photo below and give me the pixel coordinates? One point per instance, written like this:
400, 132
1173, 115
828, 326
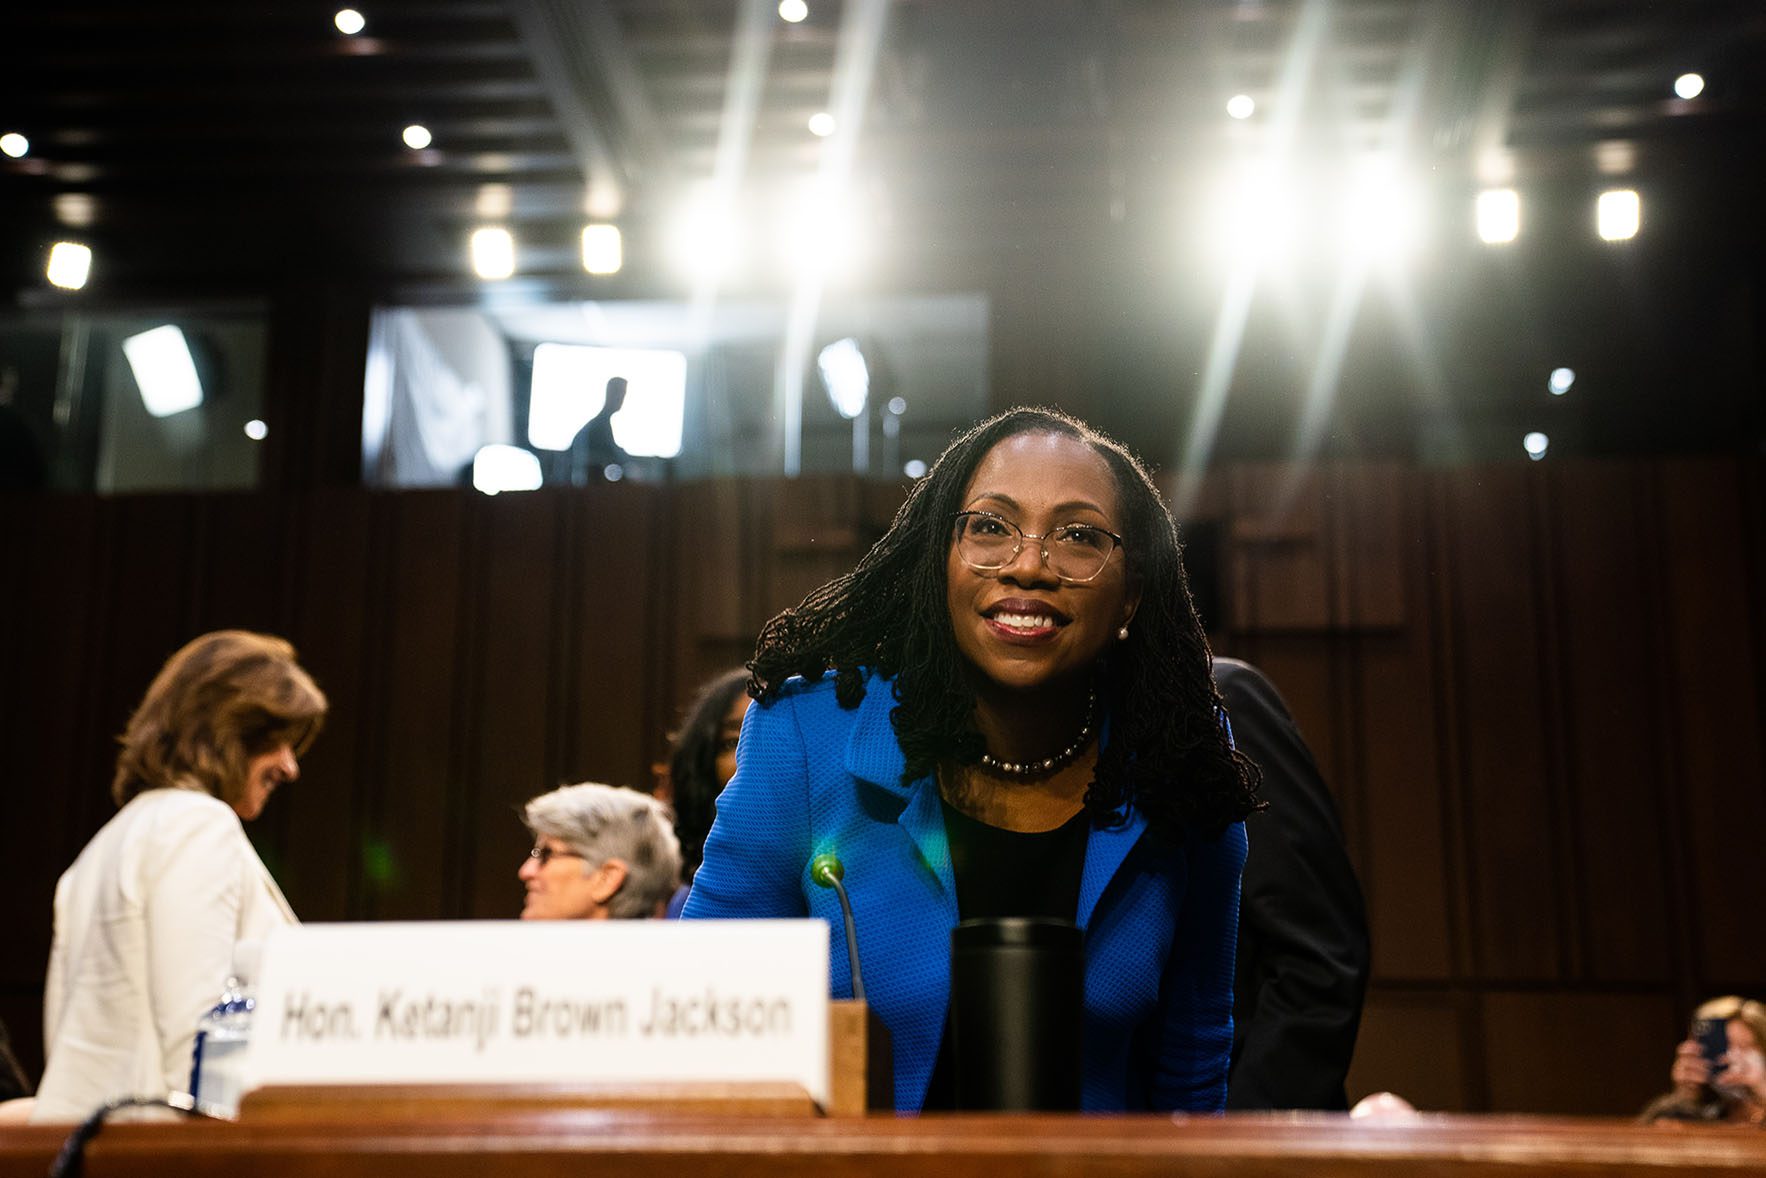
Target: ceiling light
1560, 380
164, 369
1618, 214
69, 265
256, 430
1499, 215
1535, 444
417, 137
846, 376
821, 124
602, 251
792, 10
497, 468
14, 144
493, 252
349, 22
1689, 85
706, 239
1241, 106
1381, 218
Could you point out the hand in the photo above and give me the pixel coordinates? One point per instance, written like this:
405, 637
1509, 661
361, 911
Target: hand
1690, 1071
1744, 1075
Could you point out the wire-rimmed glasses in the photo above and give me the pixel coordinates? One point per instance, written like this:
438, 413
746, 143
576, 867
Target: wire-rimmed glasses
1076, 553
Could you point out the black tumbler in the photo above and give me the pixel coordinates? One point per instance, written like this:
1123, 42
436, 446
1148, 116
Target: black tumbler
1016, 997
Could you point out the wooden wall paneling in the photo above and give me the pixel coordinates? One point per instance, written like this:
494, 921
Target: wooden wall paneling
817, 535
1612, 703
1411, 1044
610, 728
334, 624
419, 767
713, 584
146, 608
1368, 555
48, 782
1713, 609
1578, 1053
241, 546
515, 562
1409, 866
1509, 842
1277, 548
1301, 667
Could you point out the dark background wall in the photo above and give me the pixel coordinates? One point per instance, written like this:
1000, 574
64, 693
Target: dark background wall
1535, 689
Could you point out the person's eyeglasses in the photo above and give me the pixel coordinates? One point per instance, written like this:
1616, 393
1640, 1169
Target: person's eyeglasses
546, 854
1076, 553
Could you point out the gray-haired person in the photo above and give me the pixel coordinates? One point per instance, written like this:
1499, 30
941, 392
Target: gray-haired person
601, 852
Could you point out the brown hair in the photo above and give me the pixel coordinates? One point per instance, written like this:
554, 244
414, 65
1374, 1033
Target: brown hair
1733, 1007
223, 699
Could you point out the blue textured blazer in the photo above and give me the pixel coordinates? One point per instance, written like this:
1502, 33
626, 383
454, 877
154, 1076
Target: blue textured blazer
1160, 921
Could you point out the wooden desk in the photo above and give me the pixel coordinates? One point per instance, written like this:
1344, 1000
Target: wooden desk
548, 1144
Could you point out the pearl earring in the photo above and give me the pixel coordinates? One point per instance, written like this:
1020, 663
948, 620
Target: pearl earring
1122, 634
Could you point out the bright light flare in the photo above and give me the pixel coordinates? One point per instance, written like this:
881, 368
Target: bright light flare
15, 145
817, 233
493, 252
1498, 215
1618, 214
914, 468
1257, 217
603, 251
570, 387
349, 22
497, 468
846, 376
1381, 215
256, 430
417, 137
793, 11
70, 264
1241, 106
1689, 86
821, 124
707, 239
1560, 380
164, 369
1535, 444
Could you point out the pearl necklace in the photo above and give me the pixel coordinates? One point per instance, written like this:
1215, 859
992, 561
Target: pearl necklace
1047, 764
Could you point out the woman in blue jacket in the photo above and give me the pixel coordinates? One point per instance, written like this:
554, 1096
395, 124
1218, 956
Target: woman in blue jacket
1006, 709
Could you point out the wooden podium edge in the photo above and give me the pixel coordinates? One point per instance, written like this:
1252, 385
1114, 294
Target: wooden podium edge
860, 1079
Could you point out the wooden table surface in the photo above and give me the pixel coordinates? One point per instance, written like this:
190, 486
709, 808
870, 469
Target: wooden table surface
335, 1143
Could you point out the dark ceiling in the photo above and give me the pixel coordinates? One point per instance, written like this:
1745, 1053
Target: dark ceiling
999, 142
987, 121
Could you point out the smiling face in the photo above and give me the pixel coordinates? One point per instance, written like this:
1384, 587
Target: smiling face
1021, 627
263, 774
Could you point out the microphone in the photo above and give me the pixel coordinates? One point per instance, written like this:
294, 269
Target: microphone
827, 870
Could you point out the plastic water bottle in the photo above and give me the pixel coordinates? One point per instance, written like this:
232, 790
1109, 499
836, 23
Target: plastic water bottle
217, 1065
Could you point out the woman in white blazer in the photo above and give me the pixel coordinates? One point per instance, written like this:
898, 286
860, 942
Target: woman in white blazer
147, 917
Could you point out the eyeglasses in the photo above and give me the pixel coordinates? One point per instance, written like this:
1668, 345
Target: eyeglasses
546, 854
1076, 553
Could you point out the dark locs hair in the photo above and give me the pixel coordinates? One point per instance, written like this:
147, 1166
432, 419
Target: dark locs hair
1168, 754
692, 764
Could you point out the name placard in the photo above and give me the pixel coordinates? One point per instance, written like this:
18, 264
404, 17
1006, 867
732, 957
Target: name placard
544, 1001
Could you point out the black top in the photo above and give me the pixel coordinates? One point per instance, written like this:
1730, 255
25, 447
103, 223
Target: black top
1007, 873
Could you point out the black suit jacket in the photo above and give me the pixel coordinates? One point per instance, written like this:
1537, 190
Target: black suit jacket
1303, 953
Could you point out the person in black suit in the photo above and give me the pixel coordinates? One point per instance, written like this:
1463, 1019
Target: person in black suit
1303, 950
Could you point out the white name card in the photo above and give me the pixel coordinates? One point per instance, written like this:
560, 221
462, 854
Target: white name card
544, 1001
